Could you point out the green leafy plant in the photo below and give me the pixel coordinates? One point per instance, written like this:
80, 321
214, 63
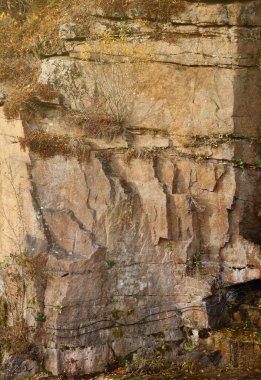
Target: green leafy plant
189, 347
246, 324
257, 164
58, 307
170, 245
196, 259
130, 311
40, 317
241, 163
110, 263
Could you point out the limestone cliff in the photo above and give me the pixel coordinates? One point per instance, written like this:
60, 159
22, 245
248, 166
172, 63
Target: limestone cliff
138, 221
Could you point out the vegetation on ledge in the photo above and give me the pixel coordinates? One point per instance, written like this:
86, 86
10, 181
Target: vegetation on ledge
49, 145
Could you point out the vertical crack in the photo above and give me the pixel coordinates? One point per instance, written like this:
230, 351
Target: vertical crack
37, 206
168, 198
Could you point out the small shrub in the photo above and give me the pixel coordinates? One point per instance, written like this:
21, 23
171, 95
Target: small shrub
195, 265
116, 91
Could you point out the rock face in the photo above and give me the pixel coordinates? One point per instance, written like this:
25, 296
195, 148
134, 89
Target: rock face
156, 219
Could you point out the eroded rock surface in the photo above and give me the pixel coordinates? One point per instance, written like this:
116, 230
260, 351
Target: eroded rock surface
135, 242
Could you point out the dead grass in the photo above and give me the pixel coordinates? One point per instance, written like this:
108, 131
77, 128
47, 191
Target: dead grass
151, 9
94, 125
15, 338
144, 153
30, 27
19, 8
147, 362
26, 102
48, 145
18, 271
26, 25
22, 25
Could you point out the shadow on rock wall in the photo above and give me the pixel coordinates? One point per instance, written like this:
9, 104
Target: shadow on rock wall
247, 118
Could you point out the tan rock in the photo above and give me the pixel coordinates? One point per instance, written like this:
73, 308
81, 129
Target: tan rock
135, 243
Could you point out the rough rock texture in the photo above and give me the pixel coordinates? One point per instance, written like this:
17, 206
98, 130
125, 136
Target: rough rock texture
135, 242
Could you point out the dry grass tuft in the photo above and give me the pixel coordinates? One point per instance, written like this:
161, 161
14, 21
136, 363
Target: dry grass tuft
48, 145
26, 102
144, 153
30, 28
17, 271
18, 9
15, 338
23, 24
151, 9
95, 126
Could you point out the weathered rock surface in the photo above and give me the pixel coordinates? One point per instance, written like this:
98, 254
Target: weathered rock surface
2, 97
135, 242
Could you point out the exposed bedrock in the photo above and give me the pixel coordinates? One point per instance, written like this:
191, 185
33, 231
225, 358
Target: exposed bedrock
159, 217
